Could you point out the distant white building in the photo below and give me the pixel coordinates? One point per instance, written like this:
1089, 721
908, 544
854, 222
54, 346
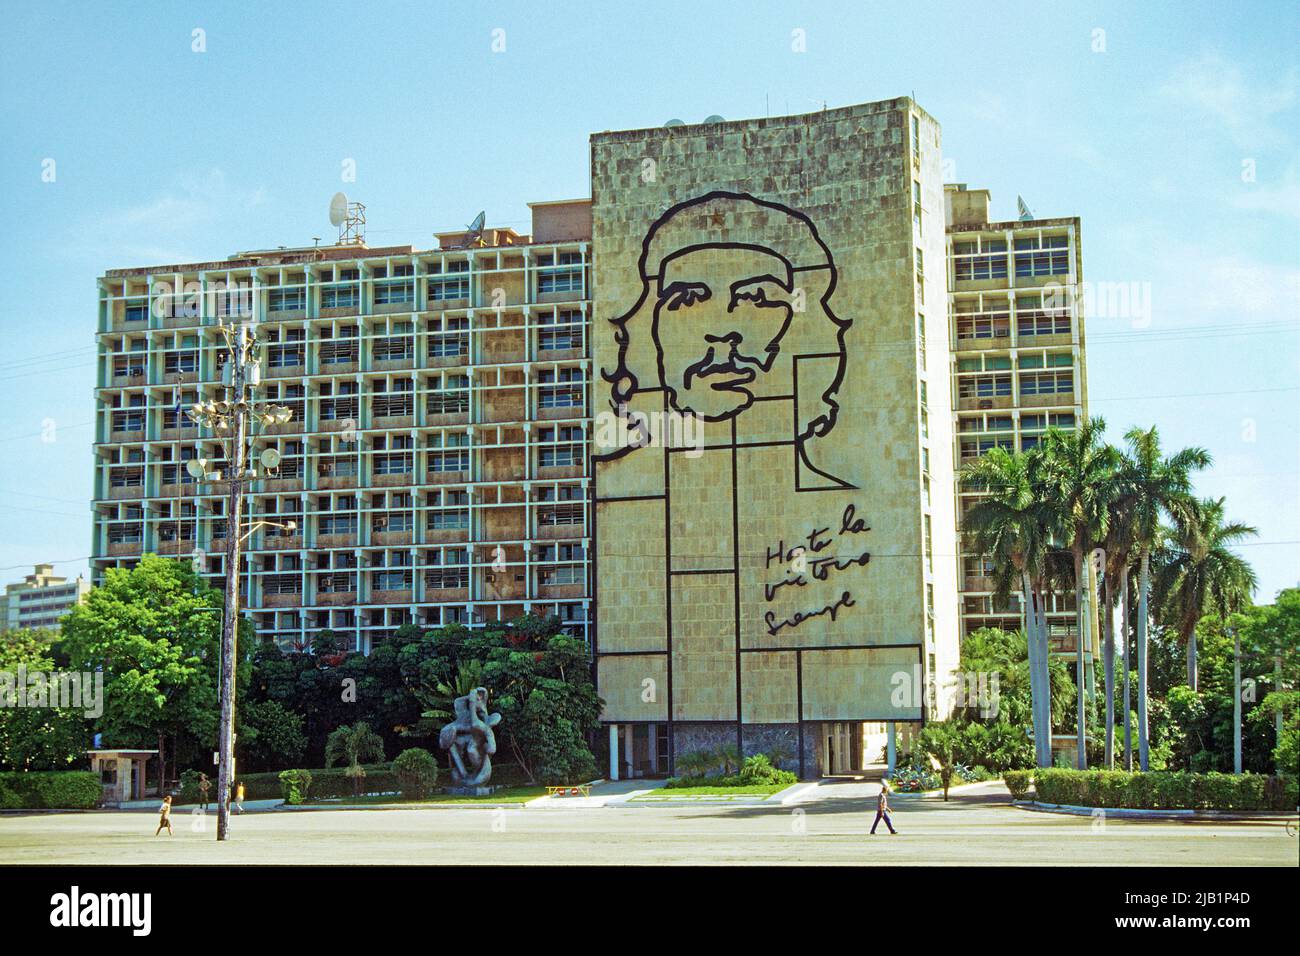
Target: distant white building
40, 599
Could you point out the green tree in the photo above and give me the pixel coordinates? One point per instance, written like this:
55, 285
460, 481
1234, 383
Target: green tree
1198, 573
1151, 487
272, 737
942, 740
37, 738
355, 743
416, 771
155, 630
539, 678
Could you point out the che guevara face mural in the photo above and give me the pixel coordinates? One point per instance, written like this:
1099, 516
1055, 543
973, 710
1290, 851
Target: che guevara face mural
734, 289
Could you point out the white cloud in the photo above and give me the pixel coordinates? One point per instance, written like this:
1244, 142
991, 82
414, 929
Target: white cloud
174, 226
1218, 90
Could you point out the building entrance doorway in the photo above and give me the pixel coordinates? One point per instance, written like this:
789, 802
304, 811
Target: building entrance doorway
839, 748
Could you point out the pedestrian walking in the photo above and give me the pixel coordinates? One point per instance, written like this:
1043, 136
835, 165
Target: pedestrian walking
166, 819
205, 787
239, 797
882, 810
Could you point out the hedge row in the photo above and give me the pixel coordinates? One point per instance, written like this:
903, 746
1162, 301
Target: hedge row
1165, 790
380, 778
324, 783
49, 790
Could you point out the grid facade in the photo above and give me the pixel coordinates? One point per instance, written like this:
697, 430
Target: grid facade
1016, 317
436, 465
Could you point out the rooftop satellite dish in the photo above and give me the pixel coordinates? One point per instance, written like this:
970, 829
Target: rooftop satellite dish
475, 228
673, 122
715, 118
270, 459
196, 467
338, 209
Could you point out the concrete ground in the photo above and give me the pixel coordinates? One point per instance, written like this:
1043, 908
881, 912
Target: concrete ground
978, 827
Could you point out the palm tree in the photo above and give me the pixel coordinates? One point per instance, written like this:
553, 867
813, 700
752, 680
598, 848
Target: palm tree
1010, 527
1118, 558
1080, 484
1152, 486
439, 701
1198, 574
354, 744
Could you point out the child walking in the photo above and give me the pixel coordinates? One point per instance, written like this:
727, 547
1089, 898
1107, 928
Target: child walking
882, 809
166, 819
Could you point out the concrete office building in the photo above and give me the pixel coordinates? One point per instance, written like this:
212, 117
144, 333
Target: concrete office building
435, 467
1017, 315
40, 599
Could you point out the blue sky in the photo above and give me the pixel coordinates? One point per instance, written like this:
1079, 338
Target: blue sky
1172, 134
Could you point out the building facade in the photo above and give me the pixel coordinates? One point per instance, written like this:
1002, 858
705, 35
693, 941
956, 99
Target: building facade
770, 549
435, 469
711, 418
40, 599
1016, 312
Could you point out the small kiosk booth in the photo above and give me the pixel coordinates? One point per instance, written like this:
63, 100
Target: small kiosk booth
122, 774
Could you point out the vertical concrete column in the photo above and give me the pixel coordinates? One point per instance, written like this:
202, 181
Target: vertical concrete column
613, 751
652, 746
628, 751
891, 747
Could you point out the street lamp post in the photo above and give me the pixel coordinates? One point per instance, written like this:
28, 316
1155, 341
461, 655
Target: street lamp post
230, 420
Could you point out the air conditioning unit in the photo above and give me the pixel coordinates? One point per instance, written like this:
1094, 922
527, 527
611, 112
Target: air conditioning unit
986, 403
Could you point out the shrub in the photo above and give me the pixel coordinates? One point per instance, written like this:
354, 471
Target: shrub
914, 779
50, 790
758, 769
1164, 790
417, 772
294, 785
1018, 782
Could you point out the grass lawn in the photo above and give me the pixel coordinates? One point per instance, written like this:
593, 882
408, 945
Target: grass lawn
756, 790
508, 795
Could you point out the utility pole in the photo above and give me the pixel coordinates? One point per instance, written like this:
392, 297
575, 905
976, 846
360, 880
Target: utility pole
230, 419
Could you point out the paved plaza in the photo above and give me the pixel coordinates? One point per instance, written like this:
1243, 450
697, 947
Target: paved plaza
829, 825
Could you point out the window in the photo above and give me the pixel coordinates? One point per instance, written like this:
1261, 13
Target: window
984, 386
339, 297
456, 520
446, 579
398, 464
136, 311
444, 461
1048, 256
451, 340
338, 524
553, 278
979, 259
282, 584
565, 574
1047, 383
286, 300
442, 290
560, 515
393, 349
391, 521
395, 292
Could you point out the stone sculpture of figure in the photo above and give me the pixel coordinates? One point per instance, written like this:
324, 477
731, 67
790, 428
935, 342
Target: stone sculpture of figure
469, 739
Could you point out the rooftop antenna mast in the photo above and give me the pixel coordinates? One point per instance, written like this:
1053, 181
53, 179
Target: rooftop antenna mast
350, 218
